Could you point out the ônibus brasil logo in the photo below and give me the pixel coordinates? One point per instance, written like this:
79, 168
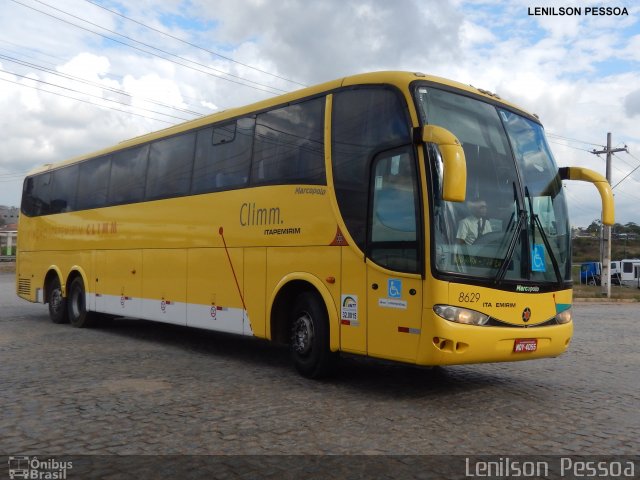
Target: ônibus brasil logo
21, 466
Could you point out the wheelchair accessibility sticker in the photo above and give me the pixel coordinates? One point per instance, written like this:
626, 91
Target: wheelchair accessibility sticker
537, 258
394, 288
394, 294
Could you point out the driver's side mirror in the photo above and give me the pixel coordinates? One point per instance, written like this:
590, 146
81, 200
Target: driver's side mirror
454, 175
600, 182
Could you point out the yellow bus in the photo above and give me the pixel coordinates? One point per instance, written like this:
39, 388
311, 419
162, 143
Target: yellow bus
395, 215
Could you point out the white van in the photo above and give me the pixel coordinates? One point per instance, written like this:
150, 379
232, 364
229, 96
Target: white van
628, 272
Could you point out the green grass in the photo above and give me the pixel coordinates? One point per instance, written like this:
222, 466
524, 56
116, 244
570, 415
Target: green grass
617, 292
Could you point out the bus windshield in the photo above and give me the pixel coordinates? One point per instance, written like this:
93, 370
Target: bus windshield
513, 224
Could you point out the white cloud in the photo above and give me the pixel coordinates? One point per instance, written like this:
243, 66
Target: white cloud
632, 103
472, 34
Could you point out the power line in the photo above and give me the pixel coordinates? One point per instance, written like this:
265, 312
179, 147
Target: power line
272, 91
33, 51
577, 203
632, 156
95, 84
91, 95
194, 45
620, 192
118, 78
569, 146
86, 101
549, 134
11, 176
624, 161
156, 48
625, 177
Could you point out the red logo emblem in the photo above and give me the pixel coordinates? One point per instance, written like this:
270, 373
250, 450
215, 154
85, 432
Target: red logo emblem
526, 314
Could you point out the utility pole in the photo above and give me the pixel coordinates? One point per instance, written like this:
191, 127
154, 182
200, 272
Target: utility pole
605, 245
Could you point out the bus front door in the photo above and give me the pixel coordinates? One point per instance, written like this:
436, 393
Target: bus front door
394, 306
394, 284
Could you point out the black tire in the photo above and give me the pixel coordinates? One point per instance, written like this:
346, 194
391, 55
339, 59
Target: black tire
57, 303
77, 306
309, 328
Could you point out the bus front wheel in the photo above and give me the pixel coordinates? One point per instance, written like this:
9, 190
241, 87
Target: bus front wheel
57, 303
76, 305
310, 337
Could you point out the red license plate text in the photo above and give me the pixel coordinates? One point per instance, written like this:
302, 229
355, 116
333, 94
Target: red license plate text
523, 345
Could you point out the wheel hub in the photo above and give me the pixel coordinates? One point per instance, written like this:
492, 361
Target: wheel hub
75, 304
302, 334
56, 299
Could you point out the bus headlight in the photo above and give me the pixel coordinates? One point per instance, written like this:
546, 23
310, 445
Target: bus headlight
564, 317
460, 315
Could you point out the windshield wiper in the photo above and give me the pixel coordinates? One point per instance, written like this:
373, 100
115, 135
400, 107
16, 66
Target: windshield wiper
535, 222
522, 215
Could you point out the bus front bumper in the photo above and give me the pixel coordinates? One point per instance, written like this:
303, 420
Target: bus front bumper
450, 343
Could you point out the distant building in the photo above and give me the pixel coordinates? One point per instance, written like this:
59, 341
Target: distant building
579, 232
8, 215
8, 241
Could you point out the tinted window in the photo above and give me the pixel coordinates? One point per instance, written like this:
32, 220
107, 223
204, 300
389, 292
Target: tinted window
289, 145
224, 133
221, 164
36, 195
63, 189
128, 173
365, 121
394, 220
170, 162
93, 185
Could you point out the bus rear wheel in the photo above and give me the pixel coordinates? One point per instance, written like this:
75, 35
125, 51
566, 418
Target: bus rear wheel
77, 306
310, 337
57, 303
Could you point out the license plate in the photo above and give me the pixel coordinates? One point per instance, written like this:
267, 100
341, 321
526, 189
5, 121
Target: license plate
524, 345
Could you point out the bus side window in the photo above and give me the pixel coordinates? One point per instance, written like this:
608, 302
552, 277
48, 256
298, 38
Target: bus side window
170, 164
93, 184
224, 133
36, 195
128, 174
394, 220
223, 156
364, 122
63, 189
289, 145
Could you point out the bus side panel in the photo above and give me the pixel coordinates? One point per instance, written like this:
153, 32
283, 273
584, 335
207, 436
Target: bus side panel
353, 303
213, 299
164, 285
320, 262
33, 268
80, 261
118, 282
29, 278
255, 265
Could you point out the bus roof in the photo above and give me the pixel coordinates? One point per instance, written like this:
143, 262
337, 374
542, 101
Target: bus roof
396, 78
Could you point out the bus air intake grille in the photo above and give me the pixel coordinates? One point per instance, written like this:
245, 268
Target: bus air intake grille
497, 323
24, 286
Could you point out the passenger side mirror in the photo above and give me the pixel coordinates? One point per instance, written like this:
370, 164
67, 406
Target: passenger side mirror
454, 181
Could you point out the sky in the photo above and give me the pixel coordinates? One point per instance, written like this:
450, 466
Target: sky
80, 75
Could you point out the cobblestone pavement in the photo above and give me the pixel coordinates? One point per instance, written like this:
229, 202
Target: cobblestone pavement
139, 388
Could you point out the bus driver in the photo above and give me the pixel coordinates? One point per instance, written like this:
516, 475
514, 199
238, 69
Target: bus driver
475, 225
